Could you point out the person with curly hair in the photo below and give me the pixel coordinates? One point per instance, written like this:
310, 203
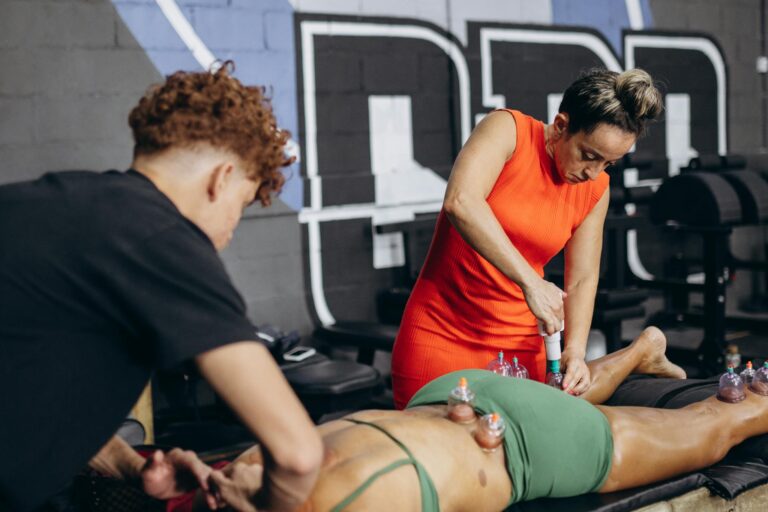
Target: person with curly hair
106, 277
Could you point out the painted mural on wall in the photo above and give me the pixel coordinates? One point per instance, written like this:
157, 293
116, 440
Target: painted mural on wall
380, 102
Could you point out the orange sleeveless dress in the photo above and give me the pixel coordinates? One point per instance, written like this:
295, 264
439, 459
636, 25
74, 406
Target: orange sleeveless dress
463, 310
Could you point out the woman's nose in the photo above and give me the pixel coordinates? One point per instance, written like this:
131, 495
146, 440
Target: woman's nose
593, 172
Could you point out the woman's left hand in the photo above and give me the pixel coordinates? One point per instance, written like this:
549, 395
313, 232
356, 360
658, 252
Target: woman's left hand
577, 377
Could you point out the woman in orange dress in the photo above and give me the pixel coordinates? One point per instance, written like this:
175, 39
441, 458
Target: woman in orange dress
519, 192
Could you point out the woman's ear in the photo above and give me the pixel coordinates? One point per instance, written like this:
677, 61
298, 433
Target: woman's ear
560, 124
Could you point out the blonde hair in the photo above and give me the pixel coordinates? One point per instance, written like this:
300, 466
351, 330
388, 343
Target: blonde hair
627, 100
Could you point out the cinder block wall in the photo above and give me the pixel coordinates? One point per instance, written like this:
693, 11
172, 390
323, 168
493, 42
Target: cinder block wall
735, 24
72, 69
71, 72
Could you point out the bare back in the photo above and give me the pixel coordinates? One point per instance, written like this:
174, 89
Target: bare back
355, 452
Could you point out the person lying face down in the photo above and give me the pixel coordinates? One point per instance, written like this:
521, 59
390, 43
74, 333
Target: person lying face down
555, 445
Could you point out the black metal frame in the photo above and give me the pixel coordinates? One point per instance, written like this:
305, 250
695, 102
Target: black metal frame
715, 262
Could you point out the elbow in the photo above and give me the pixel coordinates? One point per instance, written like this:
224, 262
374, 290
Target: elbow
456, 205
307, 462
302, 458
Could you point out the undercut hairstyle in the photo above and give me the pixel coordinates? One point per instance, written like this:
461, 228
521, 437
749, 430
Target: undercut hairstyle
627, 100
214, 108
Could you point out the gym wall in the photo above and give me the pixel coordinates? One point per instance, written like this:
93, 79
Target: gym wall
379, 95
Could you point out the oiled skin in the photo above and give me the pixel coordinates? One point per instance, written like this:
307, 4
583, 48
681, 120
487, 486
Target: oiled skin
649, 444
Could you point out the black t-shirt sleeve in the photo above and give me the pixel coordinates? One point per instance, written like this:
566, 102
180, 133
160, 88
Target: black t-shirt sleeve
180, 298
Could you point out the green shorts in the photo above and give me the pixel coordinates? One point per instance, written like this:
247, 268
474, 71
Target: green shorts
556, 445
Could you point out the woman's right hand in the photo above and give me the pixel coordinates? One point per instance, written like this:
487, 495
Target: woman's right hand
545, 301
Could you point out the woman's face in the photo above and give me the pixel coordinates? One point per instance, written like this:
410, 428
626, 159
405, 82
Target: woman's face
580, 156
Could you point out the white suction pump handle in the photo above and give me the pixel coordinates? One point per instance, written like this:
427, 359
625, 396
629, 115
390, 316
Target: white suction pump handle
551, 344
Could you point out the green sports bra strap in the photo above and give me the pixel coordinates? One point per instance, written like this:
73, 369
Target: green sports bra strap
429, 498
393, 438
357, 492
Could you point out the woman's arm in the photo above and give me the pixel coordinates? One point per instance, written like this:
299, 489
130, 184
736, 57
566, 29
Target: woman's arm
474, 174
582, 272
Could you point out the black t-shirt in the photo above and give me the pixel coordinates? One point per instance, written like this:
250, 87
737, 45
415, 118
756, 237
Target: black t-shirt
102, 280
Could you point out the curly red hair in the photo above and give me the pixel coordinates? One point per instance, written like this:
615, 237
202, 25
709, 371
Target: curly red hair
214, 108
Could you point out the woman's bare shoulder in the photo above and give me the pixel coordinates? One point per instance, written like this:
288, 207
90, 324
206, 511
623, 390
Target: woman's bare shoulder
497, 129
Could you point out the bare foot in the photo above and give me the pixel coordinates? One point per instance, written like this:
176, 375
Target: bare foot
655, 361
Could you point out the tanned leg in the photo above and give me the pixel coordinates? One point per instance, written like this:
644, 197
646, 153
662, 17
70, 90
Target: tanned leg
645, 355
654, 444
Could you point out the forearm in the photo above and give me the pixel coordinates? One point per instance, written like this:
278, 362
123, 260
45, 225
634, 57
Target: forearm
117, 459
582, 272
285, 490
277, 492
479, 227
579, 307
245, 375
290, 474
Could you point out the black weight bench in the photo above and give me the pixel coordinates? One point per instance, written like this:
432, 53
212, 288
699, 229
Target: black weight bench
325, 386
366, 337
